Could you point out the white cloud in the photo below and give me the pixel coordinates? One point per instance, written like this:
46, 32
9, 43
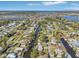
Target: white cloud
33, 4
53, 3
74, 4
47, 3
74, 8
71, 9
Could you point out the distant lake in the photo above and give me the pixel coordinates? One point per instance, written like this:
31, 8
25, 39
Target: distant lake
72, 17
12, 18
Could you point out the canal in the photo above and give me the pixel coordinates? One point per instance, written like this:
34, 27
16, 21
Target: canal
31, 44
69, 50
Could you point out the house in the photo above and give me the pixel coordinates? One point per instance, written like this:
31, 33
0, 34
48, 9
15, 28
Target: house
53, 41
40, 48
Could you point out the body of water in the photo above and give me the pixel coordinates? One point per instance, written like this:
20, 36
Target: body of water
72, 18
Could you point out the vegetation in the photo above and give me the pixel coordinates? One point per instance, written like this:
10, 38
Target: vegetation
34, 53
25, 31
5, 22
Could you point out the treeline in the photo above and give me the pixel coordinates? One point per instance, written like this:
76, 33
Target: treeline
4, 22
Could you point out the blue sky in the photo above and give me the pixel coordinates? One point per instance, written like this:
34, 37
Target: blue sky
39, 5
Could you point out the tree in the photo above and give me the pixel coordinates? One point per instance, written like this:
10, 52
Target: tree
34, 53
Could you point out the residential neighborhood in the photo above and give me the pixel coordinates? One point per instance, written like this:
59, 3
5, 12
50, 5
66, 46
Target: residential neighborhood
38, 35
